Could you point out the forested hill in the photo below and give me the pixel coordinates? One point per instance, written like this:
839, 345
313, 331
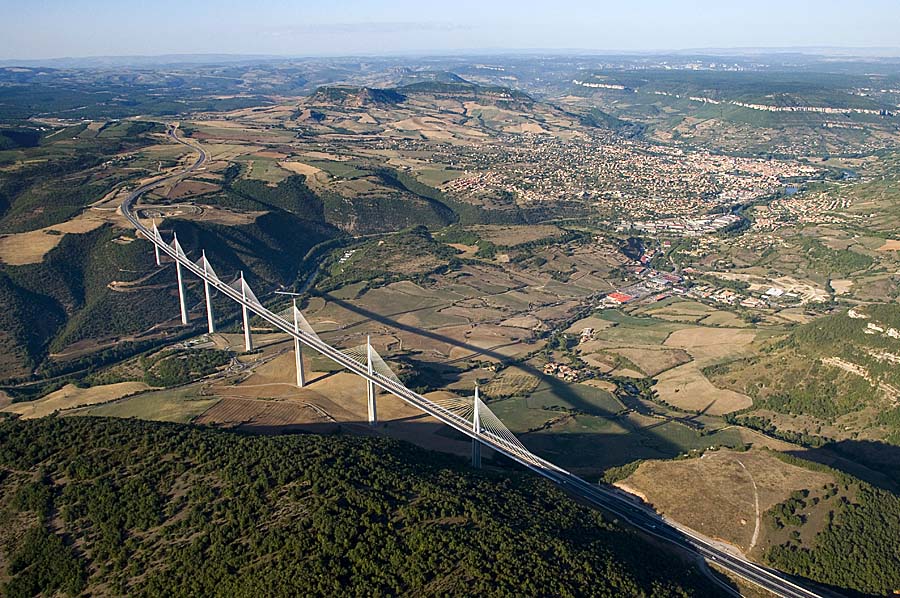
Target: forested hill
119, 507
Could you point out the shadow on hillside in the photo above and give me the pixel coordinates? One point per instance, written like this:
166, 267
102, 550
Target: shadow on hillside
877, 463
651, 446
496, 463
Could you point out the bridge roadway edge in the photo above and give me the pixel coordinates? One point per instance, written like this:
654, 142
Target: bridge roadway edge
610, 499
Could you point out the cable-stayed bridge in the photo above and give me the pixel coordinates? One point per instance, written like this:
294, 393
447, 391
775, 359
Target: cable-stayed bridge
468, 415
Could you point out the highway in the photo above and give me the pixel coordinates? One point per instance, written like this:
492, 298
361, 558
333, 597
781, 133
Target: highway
607, 498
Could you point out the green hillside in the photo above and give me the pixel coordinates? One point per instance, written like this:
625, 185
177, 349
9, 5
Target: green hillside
67, 296
147, 509
56, 178
105, 284
825, 531
833, 382
271, 249
810, 354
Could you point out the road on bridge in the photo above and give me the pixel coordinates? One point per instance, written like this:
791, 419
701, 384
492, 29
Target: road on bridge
609, 499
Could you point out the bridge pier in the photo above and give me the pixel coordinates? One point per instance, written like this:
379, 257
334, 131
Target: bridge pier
184, 317
156, 237
248, 340
209, 310
298, 350
178, 273
476, 427
370, 386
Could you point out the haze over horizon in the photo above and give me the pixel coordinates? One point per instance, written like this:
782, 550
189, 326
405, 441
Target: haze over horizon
88, 28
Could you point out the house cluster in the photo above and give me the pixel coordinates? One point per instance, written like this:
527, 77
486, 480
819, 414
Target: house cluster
772, 297
804, 209
631, 178
685, 227
565, 372
650, 283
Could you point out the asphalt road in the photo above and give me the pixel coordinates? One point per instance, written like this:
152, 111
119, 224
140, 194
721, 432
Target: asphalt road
607, 498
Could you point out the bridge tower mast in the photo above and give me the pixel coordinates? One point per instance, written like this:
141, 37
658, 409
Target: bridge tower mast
248, 340
184, 317
370, 386
298, 351
476, 427
155, 246
209, 310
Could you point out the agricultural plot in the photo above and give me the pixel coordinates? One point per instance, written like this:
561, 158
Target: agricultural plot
510, 236
635, 331
263, 169
338, 168
30, 247
71, 397
724, 318
436, 177
177, 405
591, 444
653, 361
674, 353
511, 382
264, 416
686, 387
738, 488
585, 427
576, 397
679, 311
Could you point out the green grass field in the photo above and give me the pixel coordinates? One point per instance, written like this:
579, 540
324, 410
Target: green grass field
264, 169
341, 170
177, 405
582, 397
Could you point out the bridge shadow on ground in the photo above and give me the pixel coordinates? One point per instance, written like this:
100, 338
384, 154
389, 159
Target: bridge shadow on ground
587, 452
877, 463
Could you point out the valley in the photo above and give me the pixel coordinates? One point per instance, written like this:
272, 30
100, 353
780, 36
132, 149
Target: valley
699, 318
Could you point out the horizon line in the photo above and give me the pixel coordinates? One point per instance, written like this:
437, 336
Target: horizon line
810, 50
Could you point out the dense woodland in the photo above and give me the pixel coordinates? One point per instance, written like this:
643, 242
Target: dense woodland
857, 545
150, 509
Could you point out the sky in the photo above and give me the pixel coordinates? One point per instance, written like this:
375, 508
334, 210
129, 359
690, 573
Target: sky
34, 29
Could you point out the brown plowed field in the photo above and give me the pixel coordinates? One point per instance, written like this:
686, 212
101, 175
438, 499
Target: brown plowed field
260, 415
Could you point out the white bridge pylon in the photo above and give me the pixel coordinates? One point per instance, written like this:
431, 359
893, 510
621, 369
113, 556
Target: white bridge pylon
241, 286
469, 415
179, 253
207, 268
157, 241
301, 326
459, 413
366, 355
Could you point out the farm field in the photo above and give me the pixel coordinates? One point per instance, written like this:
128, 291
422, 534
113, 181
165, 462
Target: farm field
265, 416
667, 343
735, 489
30, 247
586, 428
687, 387
180, 405
71, 397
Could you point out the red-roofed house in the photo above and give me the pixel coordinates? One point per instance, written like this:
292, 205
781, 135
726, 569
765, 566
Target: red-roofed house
619, 298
